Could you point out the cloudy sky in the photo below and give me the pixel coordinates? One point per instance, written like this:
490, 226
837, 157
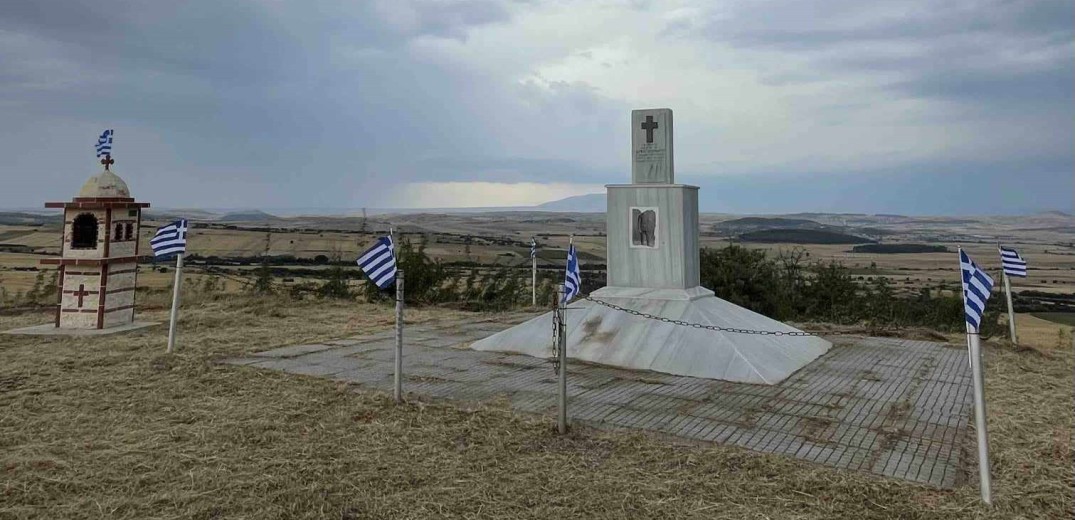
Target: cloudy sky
912, 106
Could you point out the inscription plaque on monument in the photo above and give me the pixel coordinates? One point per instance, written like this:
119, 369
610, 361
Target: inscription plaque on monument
651, 146
644, 227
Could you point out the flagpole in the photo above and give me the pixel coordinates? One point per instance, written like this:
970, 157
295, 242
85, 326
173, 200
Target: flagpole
561, 359
1008, 295
963, 294
533, 273
974, 352
979, 418
398, 380
175, 300
562, 351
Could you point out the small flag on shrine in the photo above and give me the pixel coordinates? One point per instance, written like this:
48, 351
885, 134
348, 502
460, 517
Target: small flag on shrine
379, 263
104, 143
1014, 265
170, 239
977, 285
572, 280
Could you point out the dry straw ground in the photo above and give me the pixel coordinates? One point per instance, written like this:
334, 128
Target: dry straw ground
111, 427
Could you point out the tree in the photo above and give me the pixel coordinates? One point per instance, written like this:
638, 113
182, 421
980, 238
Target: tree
744, 277
335, 285
832, 293
263, 277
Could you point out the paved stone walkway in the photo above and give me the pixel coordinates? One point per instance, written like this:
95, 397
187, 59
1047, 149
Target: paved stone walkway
892, 407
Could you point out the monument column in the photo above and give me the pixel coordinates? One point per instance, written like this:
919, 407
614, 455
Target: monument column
652, 222
651, 146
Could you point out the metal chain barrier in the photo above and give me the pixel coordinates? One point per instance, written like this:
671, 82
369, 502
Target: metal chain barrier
714, 327
557, 330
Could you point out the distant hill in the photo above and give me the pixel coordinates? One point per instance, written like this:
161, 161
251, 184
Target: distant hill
248, 216
592, 203
18, 218
802, 236
888, 249
169, 214
747, 224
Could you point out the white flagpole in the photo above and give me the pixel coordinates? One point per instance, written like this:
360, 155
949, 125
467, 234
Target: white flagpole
984, 476
974, 353
561, 358
963, 294
1008, 295
398, 380
533, 273
175, 301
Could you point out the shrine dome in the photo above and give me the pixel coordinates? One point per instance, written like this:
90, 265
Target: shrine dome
104, 185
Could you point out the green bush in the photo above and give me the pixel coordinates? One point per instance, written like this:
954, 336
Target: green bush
426, 281
784, 287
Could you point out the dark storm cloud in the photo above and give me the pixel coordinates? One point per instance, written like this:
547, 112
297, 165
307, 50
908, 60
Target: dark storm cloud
244, 103
274, 91
964, 51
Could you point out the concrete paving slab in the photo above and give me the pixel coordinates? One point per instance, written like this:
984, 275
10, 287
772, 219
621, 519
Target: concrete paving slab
295, 350
892, 407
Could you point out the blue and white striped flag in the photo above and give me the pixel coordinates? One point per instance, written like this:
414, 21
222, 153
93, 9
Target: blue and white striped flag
379, 263
977, 285
104, 144
572, 281
1014, 265
533, 248
170, 239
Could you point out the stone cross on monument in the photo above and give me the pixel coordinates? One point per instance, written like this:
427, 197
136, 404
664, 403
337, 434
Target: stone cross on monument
653, 268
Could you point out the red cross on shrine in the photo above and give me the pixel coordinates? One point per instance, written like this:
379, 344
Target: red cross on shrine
81, 292
107, 161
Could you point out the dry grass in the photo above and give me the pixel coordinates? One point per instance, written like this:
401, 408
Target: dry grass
110, 427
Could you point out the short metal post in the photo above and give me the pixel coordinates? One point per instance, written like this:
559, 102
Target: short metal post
175, 301
398, 386
1011, 311
979, 418
561, 352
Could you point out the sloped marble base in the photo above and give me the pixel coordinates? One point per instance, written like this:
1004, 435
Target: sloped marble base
598, 334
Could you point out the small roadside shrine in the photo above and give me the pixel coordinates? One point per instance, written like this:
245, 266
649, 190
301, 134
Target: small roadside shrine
99, 254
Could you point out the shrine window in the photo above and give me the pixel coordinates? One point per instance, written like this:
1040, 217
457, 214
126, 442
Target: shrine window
84, 232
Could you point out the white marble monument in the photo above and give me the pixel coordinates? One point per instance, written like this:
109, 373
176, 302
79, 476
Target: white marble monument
653, 268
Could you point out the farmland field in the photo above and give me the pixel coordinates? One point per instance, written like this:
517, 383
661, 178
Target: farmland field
501, 239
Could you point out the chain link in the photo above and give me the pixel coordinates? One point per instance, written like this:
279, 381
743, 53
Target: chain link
640, 314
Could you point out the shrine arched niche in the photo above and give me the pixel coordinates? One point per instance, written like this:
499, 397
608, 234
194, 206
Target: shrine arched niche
84, 232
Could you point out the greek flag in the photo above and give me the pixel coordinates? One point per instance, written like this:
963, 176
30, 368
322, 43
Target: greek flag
379, 263
170, 239
533, 249
104, 143
572, 281
977, 286
1014, 265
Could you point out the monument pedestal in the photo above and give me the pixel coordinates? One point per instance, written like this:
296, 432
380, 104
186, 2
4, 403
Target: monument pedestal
653, 268
599, 334
652, 235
